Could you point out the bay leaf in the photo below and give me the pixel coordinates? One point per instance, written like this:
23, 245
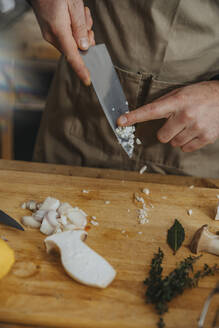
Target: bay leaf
175, 236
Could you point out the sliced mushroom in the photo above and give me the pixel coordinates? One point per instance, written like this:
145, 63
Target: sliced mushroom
204, 240
80, 261
63, 220
63, 208
39, 215
70, 227
51, 216
46, 227
31, 205
49, 223
77, 217
50, 203
29, 221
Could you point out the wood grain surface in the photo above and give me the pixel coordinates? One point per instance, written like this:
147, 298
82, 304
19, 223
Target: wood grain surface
38, 292
100, 173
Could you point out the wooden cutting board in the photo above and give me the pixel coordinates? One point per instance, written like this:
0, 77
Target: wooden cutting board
37, 291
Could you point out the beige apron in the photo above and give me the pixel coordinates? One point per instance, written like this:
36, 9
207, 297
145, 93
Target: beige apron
156, 46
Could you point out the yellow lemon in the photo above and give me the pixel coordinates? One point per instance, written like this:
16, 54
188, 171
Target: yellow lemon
6, 258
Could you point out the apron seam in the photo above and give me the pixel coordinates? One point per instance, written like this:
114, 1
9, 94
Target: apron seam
138, 90
170, 33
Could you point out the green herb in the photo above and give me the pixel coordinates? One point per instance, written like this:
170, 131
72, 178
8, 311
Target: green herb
161, 290
175, 236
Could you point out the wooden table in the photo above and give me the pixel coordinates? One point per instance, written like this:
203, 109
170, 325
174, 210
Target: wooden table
107, 174
102, 174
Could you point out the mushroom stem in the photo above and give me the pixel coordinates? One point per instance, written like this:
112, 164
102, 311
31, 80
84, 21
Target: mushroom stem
204, 240
80, 261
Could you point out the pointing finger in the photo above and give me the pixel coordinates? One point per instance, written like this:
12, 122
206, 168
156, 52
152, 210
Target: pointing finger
161, 108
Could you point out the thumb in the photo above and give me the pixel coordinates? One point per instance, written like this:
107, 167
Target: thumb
79, 24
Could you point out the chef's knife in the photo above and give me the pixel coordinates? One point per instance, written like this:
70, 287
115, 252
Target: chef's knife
107, 87
7, 220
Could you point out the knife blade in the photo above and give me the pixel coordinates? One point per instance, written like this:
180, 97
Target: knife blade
7, 220
109, 92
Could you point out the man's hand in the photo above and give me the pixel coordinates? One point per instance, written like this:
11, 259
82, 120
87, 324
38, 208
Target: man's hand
67, 24
192, 114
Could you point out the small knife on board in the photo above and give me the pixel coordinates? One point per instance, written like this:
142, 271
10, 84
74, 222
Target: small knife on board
109, 90
7, 220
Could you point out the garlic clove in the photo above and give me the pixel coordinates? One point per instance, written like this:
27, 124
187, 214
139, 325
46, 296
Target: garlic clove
80, 261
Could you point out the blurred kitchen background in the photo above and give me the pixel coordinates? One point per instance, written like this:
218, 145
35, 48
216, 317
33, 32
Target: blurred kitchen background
27, 65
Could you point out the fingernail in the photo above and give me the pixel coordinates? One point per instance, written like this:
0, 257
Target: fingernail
87, 80
84, 43
123, 119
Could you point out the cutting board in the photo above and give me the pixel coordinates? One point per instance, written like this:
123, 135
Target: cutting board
37, 291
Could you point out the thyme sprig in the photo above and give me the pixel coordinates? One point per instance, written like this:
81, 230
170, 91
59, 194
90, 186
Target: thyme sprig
161, 290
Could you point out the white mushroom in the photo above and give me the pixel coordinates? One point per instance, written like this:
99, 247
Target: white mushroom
80, 261
63, 220
63, 208
31, 205
58, 229
38, 205
46, 227
204, 240
70, 227
77, 217
50, 203
51, 216
49, 223
29, 221
39, 215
